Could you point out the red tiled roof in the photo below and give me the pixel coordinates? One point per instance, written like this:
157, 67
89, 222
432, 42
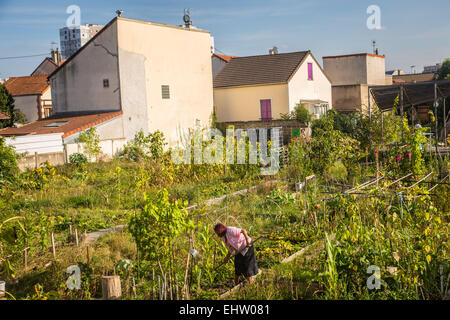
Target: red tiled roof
4, 116
20, 86
224, 57
355, 55
75, 123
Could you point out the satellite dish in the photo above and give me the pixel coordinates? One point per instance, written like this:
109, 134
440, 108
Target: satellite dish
186, 18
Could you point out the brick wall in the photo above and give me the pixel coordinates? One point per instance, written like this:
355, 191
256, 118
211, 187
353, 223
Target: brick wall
286, 125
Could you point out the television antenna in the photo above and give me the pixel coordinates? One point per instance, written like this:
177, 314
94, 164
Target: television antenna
187, 19
52, 44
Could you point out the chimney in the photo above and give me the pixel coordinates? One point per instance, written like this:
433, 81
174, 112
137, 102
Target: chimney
273, 51
56, 56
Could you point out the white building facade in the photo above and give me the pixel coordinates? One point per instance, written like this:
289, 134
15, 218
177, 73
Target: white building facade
73, 38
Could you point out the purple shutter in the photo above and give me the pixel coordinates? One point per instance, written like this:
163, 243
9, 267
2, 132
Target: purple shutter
266, 109
310, 71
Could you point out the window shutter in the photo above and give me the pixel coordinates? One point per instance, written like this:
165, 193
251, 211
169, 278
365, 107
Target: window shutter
310, 71
165, 92
266, 109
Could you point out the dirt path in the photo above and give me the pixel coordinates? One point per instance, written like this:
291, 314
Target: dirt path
93, 236
307, 252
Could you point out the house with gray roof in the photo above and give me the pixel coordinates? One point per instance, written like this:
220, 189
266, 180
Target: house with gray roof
265, 86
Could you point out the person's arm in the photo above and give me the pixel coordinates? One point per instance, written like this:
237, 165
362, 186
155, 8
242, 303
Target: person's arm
244, 232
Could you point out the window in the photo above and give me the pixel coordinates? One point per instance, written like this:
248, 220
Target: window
165, 91
56, 124
105, 83
266, 109
310, 71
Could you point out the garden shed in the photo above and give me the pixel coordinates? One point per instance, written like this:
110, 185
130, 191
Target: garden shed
411, 95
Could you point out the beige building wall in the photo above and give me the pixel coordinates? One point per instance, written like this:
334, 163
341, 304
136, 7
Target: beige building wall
356, 69
346, 70
351, 98
376, 70
152, 55
300, 88
350, 77
243, 103
78, 85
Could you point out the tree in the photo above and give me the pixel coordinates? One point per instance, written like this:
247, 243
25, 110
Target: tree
7, 106
444, 71
91, 142
443, 74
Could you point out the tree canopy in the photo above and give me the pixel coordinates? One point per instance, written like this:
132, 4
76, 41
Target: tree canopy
444, 71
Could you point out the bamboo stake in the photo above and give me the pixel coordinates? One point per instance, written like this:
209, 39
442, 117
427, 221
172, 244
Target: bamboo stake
87, 255
176, 288
53, 246
25, 257
398, 180
420, 180
70, 229
198, 281
187, 265
165, 286
153, 285
159, 288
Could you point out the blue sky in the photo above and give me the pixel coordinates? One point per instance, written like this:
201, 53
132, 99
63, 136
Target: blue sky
413, 32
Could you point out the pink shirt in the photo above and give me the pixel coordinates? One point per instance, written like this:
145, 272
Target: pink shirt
235, 240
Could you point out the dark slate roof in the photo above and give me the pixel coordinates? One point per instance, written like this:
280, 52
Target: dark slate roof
256, 70
416, 77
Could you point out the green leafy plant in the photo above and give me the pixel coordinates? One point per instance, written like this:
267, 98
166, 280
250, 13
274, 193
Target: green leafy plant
300, 113
8, 163
78, 159
91, 142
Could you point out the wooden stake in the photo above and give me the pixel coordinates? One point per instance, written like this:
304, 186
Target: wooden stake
70, 229
53, 246
87, 255
76, 236
111, 289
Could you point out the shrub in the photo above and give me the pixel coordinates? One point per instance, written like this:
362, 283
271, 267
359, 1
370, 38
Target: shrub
299, 113
8, 162
145, 147
78, 159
